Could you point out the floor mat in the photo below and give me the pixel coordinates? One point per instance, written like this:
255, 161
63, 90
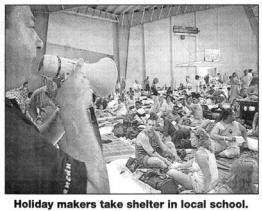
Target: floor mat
224, 164
117, 149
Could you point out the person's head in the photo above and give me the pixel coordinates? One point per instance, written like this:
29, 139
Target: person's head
234, 74
227, 115
147, 77
155, 80
243, 92
21, 45
119, 100
29, 94
138, 104
25, 86
203, 139
195, 98
250, 70
168, 98
197, 77
242, 171
151, 122
234, 103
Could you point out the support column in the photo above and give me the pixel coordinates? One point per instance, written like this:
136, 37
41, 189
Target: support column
127, 50
116, 48
143, 52
171, 51
123, 36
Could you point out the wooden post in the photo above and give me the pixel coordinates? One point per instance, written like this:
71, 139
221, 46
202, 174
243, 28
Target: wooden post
171, 51
143, 52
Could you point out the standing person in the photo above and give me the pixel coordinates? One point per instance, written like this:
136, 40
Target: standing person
147, 85
234, 91
196, 84
188, 82
206, 78
219, 78
154, 88
137, 90
32, 165
245, 80
250, 73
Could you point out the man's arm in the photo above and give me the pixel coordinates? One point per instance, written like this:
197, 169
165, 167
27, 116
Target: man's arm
220, 139
81, 143
202, 161
243, 131
144, 141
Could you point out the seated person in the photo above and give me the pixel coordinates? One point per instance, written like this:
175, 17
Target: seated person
243, 93
139, 113
121, 108
253, 87
180, 136
241, 180
255, 125
130, 101
195, 107
181, 87
208, 125
169, 91
236, 108
167, 105
224, 134
149, 148
203, 172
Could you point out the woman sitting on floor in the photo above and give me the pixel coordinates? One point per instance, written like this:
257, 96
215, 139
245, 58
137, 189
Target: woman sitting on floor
167, 105
196, 109
203, 172
241, 179
224, 135
150, 149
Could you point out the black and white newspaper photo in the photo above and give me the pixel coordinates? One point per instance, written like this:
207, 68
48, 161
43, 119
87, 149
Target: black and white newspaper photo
127, 105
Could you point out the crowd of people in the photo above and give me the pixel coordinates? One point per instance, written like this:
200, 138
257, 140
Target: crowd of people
202, 115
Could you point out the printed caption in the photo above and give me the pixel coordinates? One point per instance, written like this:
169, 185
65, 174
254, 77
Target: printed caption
134, 204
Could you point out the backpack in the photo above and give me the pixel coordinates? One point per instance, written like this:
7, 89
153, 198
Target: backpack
160, 181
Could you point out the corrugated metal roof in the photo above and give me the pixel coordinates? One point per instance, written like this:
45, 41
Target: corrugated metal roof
130, 14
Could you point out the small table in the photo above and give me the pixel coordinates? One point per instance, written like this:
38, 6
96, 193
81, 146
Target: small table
248, 108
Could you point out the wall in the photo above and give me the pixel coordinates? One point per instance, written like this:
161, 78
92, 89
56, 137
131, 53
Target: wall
225, 28
157, 54
134, 65
73, 36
